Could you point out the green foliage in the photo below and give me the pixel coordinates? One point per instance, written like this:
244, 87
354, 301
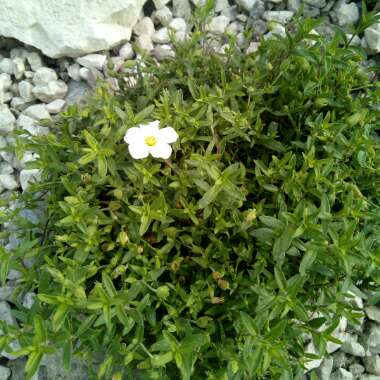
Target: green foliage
214, 263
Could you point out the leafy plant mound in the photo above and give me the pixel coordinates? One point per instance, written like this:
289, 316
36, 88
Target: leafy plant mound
215, 263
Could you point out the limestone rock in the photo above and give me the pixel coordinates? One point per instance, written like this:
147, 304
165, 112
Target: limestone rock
25, 89
356, 369
281, 17
55, 106
161, 36
37, 112
372, 364
341, 374
346, 14
372, 37
373, 313
7, 181
96, 61
28, 176
352, 347
7, 119
218, 24
5, 373
163, 16
69, 28
50, 91
126, 52
324, 371
44, 75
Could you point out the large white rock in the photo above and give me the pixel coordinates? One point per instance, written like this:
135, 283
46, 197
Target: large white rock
69, 28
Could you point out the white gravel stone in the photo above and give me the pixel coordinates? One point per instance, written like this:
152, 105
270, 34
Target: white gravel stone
18, 103
5, 373
324, 371
55, 106
253, 47
218, 24
346, 14
6, 315
372, 364
294, 5
7, 119
37, 112
162, 16
367, 376
163, 51
356, 370
160, 3
73, 71
18, 52
353, 347
246, 4
144, 27
161, 36
179, 26
278, 16
373, 313
25, 89
126, 51
370, 339
372, 37
316, 3
310, 348
341, 374
44, 75
28, 300
6, 168
29, 124
144, 42
29, 74
18, 67
182, 8
28, 176
6, 66
221, 4
8, 181
96, 61
34, 60
5, 81
50, 91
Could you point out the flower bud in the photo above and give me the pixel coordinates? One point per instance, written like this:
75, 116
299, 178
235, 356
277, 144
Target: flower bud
163, 292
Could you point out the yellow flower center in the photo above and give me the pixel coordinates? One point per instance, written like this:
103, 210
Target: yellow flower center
150, 141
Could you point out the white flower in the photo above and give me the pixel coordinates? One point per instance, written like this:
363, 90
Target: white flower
149, 139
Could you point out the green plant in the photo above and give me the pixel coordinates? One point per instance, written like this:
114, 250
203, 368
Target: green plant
214, 263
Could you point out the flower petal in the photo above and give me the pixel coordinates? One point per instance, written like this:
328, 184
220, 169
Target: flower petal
138, 151
161, 150
150, 129
133, 136
168, 135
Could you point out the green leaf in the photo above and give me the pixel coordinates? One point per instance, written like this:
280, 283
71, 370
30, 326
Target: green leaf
102, 166
248, 323
108, 285
91, 140
87, 158
253, 360
59, 317
86, 324
162, 359
32, 364
307, 261
4, 269
280, 278
67, 354
40, 330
